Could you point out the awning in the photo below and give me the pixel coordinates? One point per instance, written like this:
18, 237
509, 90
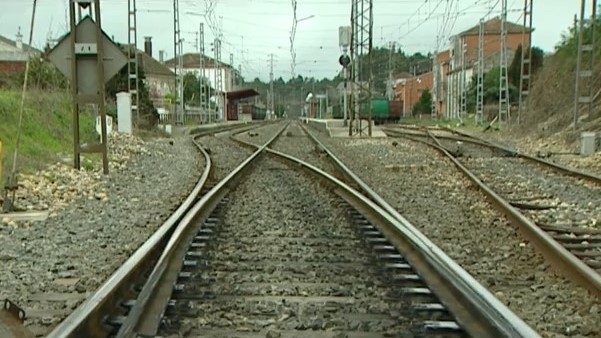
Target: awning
241, 94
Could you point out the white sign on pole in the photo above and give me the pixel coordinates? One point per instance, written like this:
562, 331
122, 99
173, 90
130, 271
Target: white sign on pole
344, 36
109, 125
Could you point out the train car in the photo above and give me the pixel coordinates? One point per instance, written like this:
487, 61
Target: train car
396, 111
380, 109
259, 113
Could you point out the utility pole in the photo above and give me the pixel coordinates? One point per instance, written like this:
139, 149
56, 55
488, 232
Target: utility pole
361, 46
178, 66
271, 95
219, 88
526, 58
480, 76
201, 73
389, 85
132, 60
585, 63
504, 108
232, 79
463, 110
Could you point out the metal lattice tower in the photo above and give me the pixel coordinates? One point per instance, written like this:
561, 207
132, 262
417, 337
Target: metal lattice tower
178, 66
526, 59
219, 92
201, 73
132, 62
463, 98
503, 78
361, 45
585, 64
480, 76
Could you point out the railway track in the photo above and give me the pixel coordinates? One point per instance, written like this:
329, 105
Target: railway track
318, 260
13, 318
550, 203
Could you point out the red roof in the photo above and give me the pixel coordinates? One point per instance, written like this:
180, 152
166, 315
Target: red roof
241, 94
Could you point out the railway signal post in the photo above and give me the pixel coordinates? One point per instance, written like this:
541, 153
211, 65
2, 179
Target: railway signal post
344, 35
89, 59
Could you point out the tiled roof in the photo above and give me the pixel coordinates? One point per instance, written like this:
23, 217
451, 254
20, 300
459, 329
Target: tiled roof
152, 66
13, 43
493, 26
192, 60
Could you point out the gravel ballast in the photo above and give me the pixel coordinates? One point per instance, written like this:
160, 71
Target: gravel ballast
49, 267
225, 153
283, 247
261, 135
435, 197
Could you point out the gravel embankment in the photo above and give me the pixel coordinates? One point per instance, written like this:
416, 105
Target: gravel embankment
569, 200
96, 222
553, 148
429, 191
284, 248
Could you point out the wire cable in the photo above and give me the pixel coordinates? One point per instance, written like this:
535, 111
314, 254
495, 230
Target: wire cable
12, 178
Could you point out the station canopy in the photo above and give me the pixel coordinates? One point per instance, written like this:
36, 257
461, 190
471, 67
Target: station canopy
241, 94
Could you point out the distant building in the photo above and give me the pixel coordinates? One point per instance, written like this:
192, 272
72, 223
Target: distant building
448, 63
14, 54
160, 80
191, 64
409, 89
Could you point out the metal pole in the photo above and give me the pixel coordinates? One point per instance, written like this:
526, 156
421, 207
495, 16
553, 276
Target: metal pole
272, 103
578, 62
344, 96
201, 72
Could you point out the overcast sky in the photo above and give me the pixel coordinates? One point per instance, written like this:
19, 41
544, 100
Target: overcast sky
252, 29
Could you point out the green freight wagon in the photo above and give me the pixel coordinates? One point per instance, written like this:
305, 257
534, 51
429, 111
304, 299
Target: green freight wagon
380, 109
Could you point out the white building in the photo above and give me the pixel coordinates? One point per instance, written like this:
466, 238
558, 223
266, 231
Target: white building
191, 64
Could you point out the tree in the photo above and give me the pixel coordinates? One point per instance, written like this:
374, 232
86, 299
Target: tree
536, 62
192, 85
424, 105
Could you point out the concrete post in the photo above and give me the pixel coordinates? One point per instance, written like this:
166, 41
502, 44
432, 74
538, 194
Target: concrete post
124, 112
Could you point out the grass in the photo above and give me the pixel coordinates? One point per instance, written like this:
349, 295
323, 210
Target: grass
47, 133
469, 123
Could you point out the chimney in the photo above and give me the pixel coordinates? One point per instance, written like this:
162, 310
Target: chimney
161, 56
19, 41
148, 45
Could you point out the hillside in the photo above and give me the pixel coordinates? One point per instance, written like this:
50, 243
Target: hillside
47, 128
552, 93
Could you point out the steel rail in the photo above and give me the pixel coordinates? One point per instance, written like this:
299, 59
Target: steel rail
567, 170
563, 260
485, 143
482, 302
474, 307
145, 316
89, 318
